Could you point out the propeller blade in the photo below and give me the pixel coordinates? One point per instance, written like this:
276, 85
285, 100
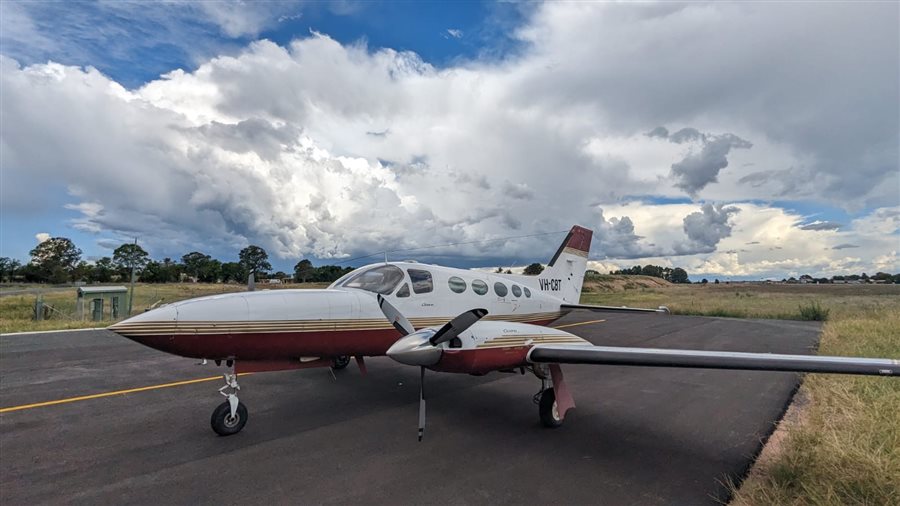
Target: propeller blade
421, 403
457, 325
396, 318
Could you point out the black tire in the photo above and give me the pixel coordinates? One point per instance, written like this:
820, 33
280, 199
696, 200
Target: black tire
340, 362
222, 422
547, 407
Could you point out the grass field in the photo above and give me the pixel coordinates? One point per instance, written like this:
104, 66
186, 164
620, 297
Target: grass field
844, 446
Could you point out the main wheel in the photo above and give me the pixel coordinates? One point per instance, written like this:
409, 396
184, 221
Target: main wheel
224, 424
548, 410
340, 362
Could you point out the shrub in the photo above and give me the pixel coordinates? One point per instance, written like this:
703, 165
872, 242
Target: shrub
814, 312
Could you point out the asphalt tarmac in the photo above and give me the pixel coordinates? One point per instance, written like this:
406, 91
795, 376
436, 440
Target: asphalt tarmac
638, 435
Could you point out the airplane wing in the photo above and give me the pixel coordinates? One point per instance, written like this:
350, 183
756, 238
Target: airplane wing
662, 309
654, 357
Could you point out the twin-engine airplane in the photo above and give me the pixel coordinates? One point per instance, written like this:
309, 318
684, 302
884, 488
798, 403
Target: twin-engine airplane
404, 310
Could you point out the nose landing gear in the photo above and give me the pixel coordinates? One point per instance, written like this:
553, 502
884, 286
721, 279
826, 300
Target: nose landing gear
230, 416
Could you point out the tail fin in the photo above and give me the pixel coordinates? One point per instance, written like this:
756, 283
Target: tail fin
564, 275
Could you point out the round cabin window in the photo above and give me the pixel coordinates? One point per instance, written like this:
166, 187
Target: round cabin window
479, 287
500, 289
458, 285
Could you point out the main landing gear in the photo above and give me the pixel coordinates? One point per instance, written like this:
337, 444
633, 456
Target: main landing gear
230, 416
551, 410
340, 362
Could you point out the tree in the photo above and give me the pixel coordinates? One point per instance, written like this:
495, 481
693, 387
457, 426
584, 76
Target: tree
211, 271
534, 269
8, 268
303, 270
153, 272
704, 281
82, 271
55, 259
130, 256
679, 275
194, 263
499, 270
255, 259
233, 272
102, 271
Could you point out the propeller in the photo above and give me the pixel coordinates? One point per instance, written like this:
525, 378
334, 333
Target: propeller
420, 348
457, 325
397, 319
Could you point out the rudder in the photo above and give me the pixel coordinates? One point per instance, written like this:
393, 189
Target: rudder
564, 275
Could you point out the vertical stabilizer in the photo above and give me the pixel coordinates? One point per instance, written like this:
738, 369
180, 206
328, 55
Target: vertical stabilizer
564, 275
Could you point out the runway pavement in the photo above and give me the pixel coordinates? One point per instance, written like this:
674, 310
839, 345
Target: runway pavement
638, 435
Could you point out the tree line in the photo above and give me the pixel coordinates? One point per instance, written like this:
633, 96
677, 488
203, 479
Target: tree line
57, 260
676, 275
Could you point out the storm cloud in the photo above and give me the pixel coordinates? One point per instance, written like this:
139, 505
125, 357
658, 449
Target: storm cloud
282, 145
699, 169
704, 229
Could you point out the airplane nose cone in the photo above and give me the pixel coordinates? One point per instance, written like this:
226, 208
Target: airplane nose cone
150, 327
415, 349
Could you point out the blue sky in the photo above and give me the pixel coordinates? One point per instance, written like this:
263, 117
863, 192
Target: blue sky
334, 130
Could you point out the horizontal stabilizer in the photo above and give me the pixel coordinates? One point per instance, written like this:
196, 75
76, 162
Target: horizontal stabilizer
612, 355
661, 309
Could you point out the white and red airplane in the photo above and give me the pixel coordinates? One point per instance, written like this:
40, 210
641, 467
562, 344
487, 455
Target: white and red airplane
406, 310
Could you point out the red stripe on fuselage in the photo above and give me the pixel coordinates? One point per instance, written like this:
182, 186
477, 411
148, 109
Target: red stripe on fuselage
277, 345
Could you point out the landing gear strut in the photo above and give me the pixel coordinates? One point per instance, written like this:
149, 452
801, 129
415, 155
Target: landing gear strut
340, 362
551, 410
230, 416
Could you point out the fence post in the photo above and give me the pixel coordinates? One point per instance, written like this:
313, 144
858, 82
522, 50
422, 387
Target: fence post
39, 308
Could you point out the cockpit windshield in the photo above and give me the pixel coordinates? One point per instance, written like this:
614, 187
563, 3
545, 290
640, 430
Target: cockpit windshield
382, 279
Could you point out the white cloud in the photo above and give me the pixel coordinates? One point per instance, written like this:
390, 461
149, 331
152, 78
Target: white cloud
324, 149
42, 236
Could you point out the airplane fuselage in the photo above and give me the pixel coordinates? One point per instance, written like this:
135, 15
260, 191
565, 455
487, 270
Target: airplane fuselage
343, 319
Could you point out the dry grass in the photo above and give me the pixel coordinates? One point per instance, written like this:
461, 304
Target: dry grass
846, 448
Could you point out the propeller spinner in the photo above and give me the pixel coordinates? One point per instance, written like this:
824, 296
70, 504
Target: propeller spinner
422, 348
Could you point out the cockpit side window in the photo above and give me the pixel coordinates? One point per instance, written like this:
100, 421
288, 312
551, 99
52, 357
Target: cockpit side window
382, 279
403, 291
421, 280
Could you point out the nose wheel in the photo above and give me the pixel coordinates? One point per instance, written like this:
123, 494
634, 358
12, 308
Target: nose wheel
224, 423
230, 416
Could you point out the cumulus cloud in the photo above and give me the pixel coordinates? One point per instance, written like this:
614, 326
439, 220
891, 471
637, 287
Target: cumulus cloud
282, 145
704, 229
845, 246
42, 236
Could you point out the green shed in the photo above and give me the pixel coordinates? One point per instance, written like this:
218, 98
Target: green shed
99, 297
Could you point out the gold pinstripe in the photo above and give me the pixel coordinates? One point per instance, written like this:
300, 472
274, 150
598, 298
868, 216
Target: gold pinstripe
277, 326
